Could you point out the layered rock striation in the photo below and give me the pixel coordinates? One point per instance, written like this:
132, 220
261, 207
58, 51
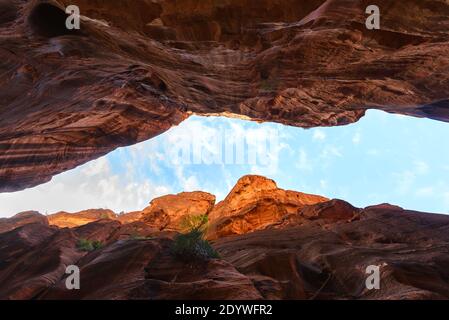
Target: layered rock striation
301, 247
137, 68
255, 203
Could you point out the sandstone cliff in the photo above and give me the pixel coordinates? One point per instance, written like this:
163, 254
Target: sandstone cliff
301, 247
166, 213
136, 68
69, 220
255, 203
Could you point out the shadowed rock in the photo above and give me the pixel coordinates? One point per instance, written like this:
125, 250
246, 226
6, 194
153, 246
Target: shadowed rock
153, 273
137, 68
288, 245
316, 261
21, 219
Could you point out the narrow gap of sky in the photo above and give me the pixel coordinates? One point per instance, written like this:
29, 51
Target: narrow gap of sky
382, 158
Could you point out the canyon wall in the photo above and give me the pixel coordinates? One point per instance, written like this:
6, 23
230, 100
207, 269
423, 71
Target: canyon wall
137, 68
273, 244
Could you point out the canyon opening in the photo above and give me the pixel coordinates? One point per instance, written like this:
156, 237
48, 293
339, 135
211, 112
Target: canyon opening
218, 150
381, 158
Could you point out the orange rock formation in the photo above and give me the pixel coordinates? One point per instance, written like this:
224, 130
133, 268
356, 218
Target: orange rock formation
277, 245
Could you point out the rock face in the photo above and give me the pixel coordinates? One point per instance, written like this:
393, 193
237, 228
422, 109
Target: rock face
21, 219
153, 273
255, 203
167, 212
70, 220
316, 261
164, 213
33, 258
325, 212
301, 247
136, 68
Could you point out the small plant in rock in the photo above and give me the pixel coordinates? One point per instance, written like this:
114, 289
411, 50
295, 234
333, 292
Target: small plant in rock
191, 245
89, 245
194, 222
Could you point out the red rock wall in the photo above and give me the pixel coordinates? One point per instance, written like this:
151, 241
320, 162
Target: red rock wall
136, 68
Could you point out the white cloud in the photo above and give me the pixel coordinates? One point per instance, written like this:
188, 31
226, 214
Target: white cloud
304, 163
230, 143
330, 152
187, 183
319, 135
407, 178
357, 138
266, 142
90, 186
96, 167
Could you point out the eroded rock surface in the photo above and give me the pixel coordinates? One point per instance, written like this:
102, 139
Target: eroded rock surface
329, 261
163, 213
70, 220
145, 269
167, 212
21, 219
255, 203
136, 68
313, 248
34, 257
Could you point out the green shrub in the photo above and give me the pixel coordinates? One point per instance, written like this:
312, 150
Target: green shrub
191, 245
89, 245
97, 244
194, 222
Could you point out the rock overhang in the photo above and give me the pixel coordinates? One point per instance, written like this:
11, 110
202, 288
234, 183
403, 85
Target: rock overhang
136, 68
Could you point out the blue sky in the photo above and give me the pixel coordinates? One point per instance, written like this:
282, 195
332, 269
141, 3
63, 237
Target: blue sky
382, 158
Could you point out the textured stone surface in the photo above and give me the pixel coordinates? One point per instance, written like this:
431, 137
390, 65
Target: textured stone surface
136, 68
69, 220
145, 269
326, 212
304, 251
21, 219
34, 257
255, 203
167, 212
328, 261
163, 213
